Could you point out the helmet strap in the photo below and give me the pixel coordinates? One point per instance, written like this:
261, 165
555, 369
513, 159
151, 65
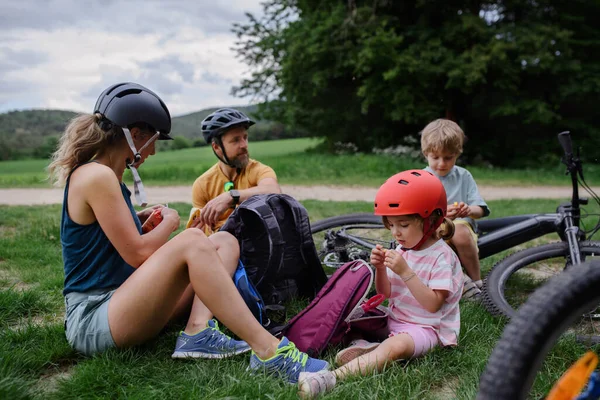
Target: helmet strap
140, 194
224, 160
428, 229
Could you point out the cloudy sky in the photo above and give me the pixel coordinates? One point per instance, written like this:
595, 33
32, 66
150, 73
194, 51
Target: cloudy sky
61, 54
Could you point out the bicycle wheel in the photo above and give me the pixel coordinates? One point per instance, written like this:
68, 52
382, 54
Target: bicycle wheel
348, 237
540, 342
514, 278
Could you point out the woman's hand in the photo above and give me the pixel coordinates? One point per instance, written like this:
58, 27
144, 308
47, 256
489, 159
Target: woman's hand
171, 217
377, 257
146, 212
394, 261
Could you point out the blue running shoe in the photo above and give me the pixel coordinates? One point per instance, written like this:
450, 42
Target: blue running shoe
287, 362
208, 343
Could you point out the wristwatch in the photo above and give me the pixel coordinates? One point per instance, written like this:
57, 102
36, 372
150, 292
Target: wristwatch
235, 195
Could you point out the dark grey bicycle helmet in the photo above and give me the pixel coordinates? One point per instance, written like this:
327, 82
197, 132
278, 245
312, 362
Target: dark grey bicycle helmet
217, 123
127, 103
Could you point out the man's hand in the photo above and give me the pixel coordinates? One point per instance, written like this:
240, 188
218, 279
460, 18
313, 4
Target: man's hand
215, 208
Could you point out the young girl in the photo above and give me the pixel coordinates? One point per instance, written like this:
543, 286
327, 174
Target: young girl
422, 279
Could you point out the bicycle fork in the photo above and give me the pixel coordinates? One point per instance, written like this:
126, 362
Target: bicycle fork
572, 234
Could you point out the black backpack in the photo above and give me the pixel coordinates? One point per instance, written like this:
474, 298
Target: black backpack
276, 247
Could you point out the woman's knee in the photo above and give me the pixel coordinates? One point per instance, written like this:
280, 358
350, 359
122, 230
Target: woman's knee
195, 240
225, 240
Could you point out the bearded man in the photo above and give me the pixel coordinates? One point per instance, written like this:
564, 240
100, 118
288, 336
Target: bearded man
234, 178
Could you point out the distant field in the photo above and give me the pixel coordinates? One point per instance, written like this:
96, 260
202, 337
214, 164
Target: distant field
294, 165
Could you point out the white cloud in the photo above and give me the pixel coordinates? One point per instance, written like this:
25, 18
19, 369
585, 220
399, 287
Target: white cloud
63, 53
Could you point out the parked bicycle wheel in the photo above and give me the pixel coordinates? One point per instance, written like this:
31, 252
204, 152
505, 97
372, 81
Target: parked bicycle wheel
544, 338
513, 279
348, 237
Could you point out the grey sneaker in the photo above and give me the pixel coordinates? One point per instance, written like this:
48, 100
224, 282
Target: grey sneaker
312, 384
208, 343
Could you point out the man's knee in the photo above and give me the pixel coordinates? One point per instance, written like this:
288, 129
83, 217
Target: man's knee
226, 240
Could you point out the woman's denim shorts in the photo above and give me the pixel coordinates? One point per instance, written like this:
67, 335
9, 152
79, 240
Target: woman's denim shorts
86, 321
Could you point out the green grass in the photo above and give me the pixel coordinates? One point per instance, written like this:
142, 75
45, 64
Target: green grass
36, 361
294, 165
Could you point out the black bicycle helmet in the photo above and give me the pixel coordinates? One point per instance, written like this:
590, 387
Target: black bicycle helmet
126, 103
217, 123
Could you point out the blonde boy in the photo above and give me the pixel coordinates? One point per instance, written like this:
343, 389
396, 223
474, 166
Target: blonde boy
442, 143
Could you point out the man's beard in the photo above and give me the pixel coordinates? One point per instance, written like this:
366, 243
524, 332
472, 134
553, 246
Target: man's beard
240, 161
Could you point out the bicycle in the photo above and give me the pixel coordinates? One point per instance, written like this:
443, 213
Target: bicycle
343, 238
548, 328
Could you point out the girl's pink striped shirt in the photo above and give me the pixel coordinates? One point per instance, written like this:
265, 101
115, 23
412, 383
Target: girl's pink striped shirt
438, 268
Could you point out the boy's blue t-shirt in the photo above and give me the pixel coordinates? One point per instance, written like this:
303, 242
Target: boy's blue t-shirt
460, 186
91, 261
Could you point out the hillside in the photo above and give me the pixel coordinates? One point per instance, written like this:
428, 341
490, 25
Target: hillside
34, 132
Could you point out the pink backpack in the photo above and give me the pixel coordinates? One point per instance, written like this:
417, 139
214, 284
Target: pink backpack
339, 307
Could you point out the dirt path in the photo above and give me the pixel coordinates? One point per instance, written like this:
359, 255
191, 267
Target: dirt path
173, 194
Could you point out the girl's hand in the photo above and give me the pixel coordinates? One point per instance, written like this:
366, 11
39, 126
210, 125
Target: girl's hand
170, 216
394, 261
146, 212
377, 256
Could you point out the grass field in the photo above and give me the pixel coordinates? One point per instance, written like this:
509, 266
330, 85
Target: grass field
36, 361
294, 165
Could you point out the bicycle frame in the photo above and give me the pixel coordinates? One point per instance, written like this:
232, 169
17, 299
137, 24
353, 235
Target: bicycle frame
501, 234
521, 229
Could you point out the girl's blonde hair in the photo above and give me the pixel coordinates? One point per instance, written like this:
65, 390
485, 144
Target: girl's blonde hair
445, 231
442, 135
82, 141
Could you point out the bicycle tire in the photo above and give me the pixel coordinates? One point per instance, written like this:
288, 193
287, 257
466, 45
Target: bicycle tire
531, 334
347, 219
334, 251
494, 298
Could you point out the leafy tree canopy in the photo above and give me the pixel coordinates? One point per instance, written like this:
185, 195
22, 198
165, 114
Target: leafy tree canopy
512, 73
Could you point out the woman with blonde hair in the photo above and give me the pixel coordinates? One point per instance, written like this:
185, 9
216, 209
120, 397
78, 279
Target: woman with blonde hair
123, 286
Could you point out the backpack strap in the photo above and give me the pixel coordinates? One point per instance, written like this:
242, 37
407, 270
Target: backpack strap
307, 245
256, 204
301, 222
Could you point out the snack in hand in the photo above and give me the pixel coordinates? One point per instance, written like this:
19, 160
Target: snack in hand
194, 214
153, 220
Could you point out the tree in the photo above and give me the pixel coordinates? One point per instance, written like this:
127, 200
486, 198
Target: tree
374, 73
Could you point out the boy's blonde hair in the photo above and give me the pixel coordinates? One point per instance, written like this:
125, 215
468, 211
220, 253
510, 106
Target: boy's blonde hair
442, 135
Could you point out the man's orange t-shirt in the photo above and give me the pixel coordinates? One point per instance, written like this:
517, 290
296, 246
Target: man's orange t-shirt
212, 183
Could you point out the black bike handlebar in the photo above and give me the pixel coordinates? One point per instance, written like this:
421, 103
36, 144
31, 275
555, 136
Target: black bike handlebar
565, 141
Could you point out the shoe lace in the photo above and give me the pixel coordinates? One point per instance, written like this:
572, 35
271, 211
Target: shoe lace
292, 352
216, 336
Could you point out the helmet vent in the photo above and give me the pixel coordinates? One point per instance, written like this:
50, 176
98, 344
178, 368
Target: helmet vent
223, 120
394, 205
403, 182
415, 173
128, 92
